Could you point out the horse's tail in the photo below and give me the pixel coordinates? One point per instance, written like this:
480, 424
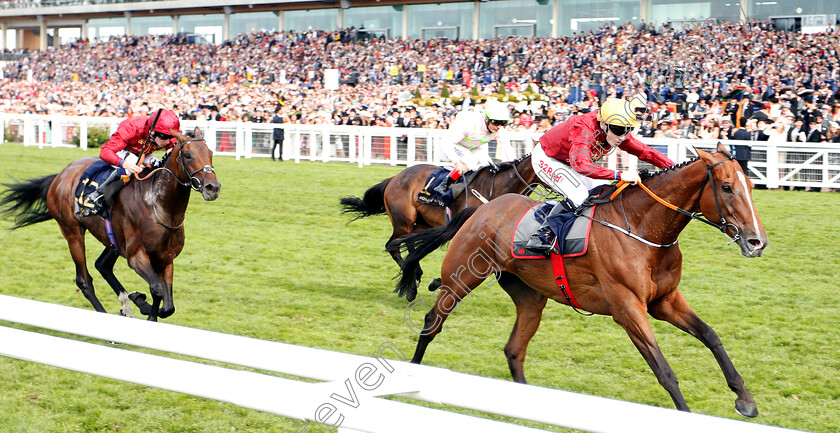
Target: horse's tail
27, 201
373, 202
420, 244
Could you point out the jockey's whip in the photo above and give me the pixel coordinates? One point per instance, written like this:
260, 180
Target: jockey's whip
148, 140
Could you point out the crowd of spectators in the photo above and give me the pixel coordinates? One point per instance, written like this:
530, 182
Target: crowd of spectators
785, 83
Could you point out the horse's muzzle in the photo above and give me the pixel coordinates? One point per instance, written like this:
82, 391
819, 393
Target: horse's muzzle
210, 190
753, 246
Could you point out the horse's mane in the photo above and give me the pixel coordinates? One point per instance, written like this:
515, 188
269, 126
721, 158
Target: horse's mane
647, 174
509, 165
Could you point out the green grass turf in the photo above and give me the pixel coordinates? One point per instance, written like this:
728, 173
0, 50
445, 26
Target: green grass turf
273, 258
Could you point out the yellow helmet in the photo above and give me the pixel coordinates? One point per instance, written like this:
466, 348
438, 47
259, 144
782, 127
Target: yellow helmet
617, 112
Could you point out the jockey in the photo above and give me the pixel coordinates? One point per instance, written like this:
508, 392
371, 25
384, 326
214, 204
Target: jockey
466, 141
566, 155
130, 141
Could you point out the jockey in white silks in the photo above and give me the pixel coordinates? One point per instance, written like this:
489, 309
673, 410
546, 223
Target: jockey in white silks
466, 142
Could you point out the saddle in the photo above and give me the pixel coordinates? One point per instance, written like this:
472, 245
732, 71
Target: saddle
90, 180
571, 231
429, 196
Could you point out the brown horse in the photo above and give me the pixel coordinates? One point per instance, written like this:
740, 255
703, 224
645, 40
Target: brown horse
398, 197
619, 275
147, 218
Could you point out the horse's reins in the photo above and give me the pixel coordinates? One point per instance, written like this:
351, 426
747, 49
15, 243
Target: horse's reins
193, 182
693, 215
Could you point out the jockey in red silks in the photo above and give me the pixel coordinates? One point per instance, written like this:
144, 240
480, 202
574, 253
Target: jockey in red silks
566, 157
140, 135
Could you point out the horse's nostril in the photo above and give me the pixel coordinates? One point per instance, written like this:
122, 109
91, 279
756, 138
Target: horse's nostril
754, 242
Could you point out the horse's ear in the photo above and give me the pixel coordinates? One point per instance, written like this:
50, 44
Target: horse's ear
705, 156
198, 133
722, 149
181, 137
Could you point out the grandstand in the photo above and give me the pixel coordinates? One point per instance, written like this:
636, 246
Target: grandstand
37, 24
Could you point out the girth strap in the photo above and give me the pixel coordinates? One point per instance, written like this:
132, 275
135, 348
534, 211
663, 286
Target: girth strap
563, 282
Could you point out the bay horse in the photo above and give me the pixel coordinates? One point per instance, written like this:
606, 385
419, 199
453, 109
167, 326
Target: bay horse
620, 275
147, 219
397, 196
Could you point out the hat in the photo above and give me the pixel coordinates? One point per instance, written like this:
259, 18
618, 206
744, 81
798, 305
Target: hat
826, 107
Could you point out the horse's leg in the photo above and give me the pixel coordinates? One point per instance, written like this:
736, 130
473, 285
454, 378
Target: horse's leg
675, 310
403, 222
631, 314
76, 241
167, 277
529, 308
142, 265
105, 265
453, 289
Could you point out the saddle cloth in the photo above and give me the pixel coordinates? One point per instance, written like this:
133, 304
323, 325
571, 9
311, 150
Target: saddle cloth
572, 231
93, 176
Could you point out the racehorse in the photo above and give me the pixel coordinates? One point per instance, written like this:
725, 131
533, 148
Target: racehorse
147, 218
619, 275
398, 197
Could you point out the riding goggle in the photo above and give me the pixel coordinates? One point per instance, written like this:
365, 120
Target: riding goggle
498, 122
620, 130
163, 136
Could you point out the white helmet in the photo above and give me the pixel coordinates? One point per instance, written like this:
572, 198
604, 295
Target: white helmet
495, 110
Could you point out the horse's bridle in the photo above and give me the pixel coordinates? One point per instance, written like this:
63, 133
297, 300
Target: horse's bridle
723, 223
193, 182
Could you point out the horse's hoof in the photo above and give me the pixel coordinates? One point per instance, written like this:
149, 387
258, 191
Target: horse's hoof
137, 297
746, 409
434, 284
113, 343
166, 312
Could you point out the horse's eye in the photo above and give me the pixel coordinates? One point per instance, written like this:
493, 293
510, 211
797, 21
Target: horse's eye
726, 188
187, 155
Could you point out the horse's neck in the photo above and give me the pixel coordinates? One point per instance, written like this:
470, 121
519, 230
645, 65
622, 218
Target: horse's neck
519, 177
654, 221
170, 195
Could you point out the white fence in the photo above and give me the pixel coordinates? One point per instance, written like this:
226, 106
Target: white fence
350, 387
814, 165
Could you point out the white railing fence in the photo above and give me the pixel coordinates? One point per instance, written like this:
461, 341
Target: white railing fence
813, 165
350, 387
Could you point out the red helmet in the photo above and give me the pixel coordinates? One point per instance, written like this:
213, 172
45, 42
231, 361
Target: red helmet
167, 120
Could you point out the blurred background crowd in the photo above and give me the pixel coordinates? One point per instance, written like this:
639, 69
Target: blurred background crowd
700, 81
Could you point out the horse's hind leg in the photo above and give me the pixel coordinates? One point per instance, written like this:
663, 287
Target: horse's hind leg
403, 223
630, 313
675, 310
529, 307
76, 242
454, 288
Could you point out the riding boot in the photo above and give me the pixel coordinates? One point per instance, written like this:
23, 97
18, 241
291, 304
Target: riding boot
107, 189
443, 187
541, 240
